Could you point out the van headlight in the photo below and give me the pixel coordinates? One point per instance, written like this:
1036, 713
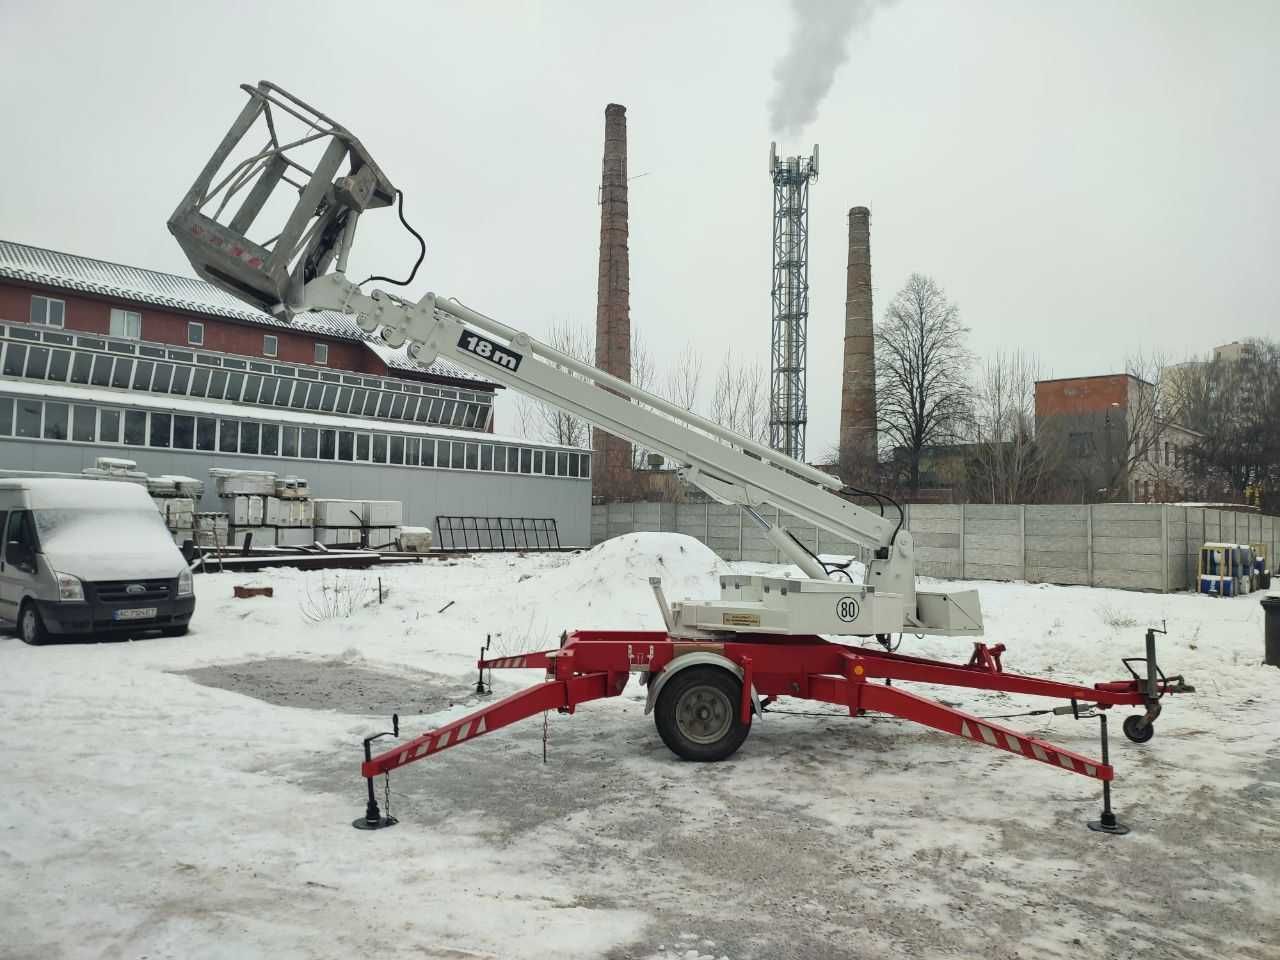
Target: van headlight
69, 588
185, 587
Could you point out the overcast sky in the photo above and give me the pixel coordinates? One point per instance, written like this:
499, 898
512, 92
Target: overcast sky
1084, 179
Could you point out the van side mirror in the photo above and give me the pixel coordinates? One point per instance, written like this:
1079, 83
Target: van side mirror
20, 555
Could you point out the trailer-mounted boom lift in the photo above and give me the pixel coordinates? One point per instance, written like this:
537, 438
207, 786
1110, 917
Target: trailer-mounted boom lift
707, 670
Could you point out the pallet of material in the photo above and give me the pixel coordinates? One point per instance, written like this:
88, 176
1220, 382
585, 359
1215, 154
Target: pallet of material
232, 483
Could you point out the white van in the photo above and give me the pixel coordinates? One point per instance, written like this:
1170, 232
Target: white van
86, 557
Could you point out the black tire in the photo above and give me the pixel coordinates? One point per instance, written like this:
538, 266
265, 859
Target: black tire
31, 625
698, 715
1135, 731
174, 631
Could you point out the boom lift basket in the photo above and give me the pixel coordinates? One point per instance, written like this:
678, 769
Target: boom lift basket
292, 180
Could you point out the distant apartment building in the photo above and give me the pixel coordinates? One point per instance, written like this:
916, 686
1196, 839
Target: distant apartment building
1112, 439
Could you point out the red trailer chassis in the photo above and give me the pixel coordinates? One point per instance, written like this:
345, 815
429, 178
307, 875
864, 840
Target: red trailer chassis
593, 664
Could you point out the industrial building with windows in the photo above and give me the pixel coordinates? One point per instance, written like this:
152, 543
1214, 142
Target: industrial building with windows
100, 359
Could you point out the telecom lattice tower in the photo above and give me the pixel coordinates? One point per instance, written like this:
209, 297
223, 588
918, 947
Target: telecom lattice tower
788, 410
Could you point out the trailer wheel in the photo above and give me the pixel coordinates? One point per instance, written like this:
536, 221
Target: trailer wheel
1135, 731
698, 716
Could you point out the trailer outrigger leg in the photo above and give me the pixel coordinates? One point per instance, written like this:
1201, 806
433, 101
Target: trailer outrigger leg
705, 694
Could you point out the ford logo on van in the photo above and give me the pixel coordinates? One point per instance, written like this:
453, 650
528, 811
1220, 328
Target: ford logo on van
135, 588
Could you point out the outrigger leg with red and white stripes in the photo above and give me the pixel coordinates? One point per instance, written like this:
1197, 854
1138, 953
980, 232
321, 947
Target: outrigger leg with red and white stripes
705, 694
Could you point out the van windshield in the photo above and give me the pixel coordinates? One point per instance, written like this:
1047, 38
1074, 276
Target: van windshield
102, 530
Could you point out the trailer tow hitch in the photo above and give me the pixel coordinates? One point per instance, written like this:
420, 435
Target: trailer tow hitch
373, 818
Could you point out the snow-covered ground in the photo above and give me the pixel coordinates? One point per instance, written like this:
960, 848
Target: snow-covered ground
192, 797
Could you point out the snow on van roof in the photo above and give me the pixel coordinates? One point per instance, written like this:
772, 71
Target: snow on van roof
60, 493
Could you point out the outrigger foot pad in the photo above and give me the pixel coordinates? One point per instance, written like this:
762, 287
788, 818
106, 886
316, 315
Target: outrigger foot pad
1108, 824
377, 823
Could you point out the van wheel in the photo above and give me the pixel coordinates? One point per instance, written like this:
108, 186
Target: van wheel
697, 714
30, 626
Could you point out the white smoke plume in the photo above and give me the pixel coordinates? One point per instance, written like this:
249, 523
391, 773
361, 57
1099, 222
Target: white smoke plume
819, 45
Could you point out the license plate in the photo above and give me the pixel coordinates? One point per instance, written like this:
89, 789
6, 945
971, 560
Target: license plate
135, 613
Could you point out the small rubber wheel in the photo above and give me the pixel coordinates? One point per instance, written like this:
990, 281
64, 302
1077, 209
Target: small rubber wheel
698, 715
30, 626
1136, 731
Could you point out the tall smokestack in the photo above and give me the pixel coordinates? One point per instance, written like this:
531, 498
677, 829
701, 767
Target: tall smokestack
858, 391
611, 476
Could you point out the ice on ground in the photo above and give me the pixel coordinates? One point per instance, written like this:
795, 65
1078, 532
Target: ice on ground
144, 813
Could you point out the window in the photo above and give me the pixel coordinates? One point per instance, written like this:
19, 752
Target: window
411, 451
384, 405
217, 384
13, 359
206, 433
135, 428
322, 353
195, 334
21, 531
328, 444
270, 440
229, 436
161, 427
370, 403
270, 346
163, 378
309, 445
80, 367
28, 424
562, 464
184, 432
101, 375
537, 461
37, 362
249, 438
329, 399
397, 449
314, 394
513, 459
84, 424
109, 426
585, 460
473, 456
346, 445
397, 407
200, 382
379, 448
6, 418
142, 375
289, 446
267, 394
48, 312
362, 447
126, 323
235, 383
181, 380
55, 421
573, 465
457, 455
59, 362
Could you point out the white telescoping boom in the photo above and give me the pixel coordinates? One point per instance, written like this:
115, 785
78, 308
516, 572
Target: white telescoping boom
289, 273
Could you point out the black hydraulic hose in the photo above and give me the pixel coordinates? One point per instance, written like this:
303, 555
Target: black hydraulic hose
422, 249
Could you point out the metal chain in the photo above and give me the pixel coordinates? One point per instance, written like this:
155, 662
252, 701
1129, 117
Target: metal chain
386, 793
546, 732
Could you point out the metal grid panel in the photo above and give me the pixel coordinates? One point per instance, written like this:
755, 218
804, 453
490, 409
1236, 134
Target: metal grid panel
490, 534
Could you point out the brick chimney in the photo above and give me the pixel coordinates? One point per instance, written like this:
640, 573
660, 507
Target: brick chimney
611, 474
858, 390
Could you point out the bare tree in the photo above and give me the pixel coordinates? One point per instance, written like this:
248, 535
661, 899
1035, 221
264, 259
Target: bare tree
542, 421
1139, 427
684, 377
739, 398
643, 373
1009, 462
922, 366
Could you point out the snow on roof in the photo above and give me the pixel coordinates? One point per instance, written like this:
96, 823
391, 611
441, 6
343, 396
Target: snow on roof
67, 271
58, 492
